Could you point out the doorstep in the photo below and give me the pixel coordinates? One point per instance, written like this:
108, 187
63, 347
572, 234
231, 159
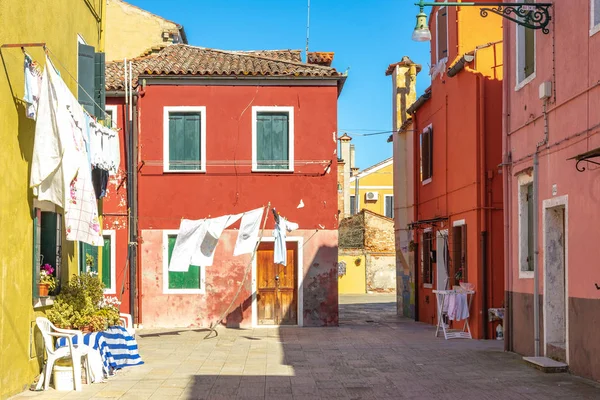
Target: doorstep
546, 364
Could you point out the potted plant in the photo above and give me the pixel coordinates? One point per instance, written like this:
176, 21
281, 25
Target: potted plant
47, 282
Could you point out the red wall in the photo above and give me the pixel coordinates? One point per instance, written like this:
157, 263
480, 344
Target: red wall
164, 198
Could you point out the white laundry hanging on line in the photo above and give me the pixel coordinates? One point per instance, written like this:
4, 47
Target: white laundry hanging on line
60, 171
188, 237
205, 250
33, 84
248, 234
280, 234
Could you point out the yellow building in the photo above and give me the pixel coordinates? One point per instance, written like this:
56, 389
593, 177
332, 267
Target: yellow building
131, 31
375, 189
66, 27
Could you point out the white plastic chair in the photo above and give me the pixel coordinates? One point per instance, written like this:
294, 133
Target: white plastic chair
127, 323
73, 351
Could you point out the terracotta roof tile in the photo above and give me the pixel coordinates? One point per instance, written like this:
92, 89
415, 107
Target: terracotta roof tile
182, 59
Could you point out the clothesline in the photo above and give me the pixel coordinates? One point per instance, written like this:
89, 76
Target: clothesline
47, 50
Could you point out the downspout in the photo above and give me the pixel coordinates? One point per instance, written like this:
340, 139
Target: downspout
416, 188
536, 251
483, 210
505, 193
134, 205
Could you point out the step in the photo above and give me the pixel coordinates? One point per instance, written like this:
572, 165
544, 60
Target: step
546, 364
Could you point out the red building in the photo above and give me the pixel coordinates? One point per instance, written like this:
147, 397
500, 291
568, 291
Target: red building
222, 132
458, 225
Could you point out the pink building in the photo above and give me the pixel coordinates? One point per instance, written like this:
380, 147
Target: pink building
551, 98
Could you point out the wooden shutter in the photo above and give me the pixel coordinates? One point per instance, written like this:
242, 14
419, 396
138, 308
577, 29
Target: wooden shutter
427, 271
529, 51
48, 238
99, 85
427, 154
85, 249
442, 33
85, 76
530, 227
184, 141
272, 140
463, 252
106, 262
183, 280
389, 206
352, 205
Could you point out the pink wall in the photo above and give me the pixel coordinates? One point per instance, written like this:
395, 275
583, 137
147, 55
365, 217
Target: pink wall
223, 279
572, 121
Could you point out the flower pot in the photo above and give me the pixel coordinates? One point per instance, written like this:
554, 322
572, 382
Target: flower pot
87, 329
43, 289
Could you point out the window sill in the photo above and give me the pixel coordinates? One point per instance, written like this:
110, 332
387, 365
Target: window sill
595, 29
184, 171
42, 302
270, 171
525, 274
184, 291
525, 81
428, 285
426, 181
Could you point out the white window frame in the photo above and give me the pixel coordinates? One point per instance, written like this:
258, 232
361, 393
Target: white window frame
113, 263
426, 230
189, 109
523, 181
594, 28
430, 179
113, 114
385, 207
519, 32
281, 109
166, 289
437, 48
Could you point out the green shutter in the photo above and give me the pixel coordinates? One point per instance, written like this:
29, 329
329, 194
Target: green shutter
530, 228
99, 85
184, 141
85, 249
85, 77
272, 140
183, 280
48, 238
106, 262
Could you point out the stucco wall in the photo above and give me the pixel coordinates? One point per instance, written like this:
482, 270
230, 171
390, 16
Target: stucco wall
130, 31
223, 280
57, 24
381, 273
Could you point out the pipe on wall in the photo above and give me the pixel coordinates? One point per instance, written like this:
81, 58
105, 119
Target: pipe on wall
482, 212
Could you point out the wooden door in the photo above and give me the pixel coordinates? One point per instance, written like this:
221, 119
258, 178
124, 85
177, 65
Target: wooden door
276, 287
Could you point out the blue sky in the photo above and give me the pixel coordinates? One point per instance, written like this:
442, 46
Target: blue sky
365, 35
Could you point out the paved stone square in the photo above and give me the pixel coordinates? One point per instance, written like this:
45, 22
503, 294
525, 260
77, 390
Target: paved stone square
372, 355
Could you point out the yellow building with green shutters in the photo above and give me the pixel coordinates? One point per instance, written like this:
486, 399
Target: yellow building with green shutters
31, 230
375, 189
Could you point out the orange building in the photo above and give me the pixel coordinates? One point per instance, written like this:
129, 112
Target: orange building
458, 224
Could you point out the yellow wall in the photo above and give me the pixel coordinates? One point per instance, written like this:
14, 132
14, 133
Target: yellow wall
354, 282
130, 31
56, 23
380, 181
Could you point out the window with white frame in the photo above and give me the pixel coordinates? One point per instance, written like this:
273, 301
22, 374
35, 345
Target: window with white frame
47, 247
109, 273
111, 116
441, 35
272, 138
526, 209
426, 268
525, 54
175, 282
426, 154
595, 16
352, 205
389, 206
184, 140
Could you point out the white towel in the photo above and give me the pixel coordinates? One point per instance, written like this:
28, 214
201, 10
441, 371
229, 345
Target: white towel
280, 234
451, 306
187, 241
248, 234
462, 306
207, 242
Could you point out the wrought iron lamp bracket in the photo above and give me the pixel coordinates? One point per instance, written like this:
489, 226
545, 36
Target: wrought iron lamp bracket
586, 159
529, 15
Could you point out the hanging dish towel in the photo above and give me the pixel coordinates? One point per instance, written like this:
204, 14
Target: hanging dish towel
280, 234
248, 234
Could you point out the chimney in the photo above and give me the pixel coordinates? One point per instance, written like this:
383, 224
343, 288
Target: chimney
404, 81
345, 181
320, 58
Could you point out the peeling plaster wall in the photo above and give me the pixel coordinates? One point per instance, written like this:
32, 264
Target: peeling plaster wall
223, 279
381, 273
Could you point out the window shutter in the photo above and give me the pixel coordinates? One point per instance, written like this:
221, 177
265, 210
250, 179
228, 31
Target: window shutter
529, 51
442, 33
99, 85
191, 140
530, 228
48, 238
272, 140
86, 77
389, 206
427, 153
184, 141
463, 252
85, 249
183, 280
106, 262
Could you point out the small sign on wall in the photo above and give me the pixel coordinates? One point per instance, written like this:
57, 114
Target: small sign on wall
554, 189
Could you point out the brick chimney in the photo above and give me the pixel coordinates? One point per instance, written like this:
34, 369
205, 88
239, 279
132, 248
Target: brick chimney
345, 155
323, 58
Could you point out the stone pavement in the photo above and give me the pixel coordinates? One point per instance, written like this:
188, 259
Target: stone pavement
372, 355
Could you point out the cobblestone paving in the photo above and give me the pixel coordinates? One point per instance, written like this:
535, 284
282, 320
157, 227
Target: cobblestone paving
372, 355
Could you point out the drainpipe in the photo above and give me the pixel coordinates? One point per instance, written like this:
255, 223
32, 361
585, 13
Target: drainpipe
356, 195
505, 193
483, 210
536, 278
416, 188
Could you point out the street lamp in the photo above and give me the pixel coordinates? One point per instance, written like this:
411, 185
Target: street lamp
529, 15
